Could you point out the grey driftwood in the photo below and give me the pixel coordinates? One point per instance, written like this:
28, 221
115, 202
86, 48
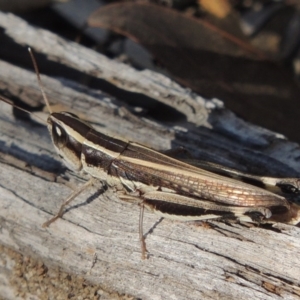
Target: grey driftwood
97, 238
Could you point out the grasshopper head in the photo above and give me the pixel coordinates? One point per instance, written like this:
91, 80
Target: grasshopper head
68, 133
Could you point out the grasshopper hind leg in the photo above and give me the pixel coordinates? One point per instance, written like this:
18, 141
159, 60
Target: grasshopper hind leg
137, 199
141, 233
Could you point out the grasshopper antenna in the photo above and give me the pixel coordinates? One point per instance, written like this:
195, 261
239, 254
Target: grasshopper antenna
21, 108
39, 79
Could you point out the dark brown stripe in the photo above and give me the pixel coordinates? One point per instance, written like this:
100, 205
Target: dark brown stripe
253, 181
95, 156
106, 142
136, 151
183, 210
71, 121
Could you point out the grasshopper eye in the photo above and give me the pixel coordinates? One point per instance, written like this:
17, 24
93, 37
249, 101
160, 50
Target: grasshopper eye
59, 136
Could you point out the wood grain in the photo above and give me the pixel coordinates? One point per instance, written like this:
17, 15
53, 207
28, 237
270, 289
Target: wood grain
98, 236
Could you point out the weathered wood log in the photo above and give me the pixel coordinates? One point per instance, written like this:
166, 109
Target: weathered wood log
97, 238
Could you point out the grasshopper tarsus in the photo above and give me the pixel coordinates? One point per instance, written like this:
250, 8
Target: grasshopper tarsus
47, 224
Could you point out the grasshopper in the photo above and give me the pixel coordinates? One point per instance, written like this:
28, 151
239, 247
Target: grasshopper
167, 186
